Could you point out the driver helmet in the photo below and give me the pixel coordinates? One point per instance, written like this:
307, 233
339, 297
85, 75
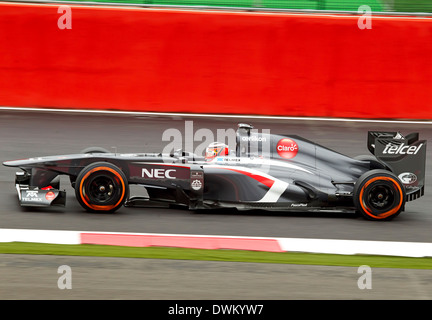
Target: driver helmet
216, 149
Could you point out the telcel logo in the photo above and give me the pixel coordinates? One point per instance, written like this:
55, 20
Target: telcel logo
158, 173
402, 149
287, 148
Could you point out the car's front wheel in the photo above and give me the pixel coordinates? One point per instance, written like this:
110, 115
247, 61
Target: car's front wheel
379, 195
101, 187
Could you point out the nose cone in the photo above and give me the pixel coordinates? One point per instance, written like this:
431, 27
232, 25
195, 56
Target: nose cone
15, 163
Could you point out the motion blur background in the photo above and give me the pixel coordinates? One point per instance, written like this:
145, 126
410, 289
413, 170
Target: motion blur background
192, 59
304, 58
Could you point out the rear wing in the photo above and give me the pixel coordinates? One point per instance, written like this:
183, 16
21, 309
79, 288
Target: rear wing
405, 156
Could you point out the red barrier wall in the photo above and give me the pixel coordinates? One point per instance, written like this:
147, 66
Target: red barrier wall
215, 62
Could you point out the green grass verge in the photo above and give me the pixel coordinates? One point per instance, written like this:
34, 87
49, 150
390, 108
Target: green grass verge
408, 5
350, 5
216, 255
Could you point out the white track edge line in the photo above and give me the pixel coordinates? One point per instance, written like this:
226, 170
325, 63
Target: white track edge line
208, 115
327, 246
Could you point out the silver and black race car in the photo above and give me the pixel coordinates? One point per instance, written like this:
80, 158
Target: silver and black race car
266, 171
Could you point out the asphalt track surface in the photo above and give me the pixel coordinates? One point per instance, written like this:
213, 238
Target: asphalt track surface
36, 277
26, 134
33, 134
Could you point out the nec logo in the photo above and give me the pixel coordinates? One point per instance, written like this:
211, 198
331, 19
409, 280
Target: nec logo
158, 173
402, 149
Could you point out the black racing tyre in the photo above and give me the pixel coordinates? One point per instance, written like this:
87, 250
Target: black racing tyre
101, 187
379, 195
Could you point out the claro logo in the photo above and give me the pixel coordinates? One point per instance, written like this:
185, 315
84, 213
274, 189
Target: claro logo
287, 148
158, 173
402, 149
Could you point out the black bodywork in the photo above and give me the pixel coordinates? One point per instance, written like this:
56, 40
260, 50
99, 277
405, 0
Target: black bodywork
266, 171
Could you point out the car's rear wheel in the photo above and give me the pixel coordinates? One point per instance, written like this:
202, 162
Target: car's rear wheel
379, 195
101, 187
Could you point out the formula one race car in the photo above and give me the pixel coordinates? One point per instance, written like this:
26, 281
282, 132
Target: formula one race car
266, 171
